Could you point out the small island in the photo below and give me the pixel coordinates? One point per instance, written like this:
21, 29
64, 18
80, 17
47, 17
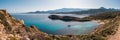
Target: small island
67, 18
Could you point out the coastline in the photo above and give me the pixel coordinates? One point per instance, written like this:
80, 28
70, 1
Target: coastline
16, 30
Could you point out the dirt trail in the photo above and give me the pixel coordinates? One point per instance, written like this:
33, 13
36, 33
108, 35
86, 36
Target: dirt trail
116, 36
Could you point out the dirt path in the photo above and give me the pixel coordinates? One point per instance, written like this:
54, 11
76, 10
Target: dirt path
116, 36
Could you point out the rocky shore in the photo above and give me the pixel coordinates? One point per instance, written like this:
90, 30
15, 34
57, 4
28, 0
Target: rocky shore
12, 29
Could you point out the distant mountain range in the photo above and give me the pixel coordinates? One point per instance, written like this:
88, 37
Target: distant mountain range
77, 11
91, 11
66, 10
59, 10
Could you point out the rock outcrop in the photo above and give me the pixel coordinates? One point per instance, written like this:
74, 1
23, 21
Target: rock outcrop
67, 18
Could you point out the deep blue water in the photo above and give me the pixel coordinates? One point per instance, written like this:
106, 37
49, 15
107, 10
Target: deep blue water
43, 23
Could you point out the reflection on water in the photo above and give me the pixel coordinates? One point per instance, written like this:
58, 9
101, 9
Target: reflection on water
43, 23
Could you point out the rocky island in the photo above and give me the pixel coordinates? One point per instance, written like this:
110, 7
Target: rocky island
67, 18
12, 29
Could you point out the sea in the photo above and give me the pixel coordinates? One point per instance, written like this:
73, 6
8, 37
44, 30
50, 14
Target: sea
57, 27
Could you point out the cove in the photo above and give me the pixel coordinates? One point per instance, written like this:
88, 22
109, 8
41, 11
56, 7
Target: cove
57, 27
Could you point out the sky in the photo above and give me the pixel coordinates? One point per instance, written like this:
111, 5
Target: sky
16, 6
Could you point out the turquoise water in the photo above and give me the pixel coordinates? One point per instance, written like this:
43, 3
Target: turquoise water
43, 23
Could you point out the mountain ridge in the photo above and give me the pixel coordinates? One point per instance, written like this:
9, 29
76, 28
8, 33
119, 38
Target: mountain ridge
59, 10
75, 11
90, 11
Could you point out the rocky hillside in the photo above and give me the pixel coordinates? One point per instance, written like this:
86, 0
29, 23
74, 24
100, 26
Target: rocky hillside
12, 29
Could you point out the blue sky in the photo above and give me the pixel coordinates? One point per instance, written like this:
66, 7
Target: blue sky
14, 6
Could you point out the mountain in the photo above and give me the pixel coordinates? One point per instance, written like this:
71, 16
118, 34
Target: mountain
65, 10
77, 11
39, 12
90, 11
59, 10
12, 29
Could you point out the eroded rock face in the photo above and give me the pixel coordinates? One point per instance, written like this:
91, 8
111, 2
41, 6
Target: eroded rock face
12, 29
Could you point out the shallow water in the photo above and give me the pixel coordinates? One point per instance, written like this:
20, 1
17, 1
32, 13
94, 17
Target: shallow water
43, 23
